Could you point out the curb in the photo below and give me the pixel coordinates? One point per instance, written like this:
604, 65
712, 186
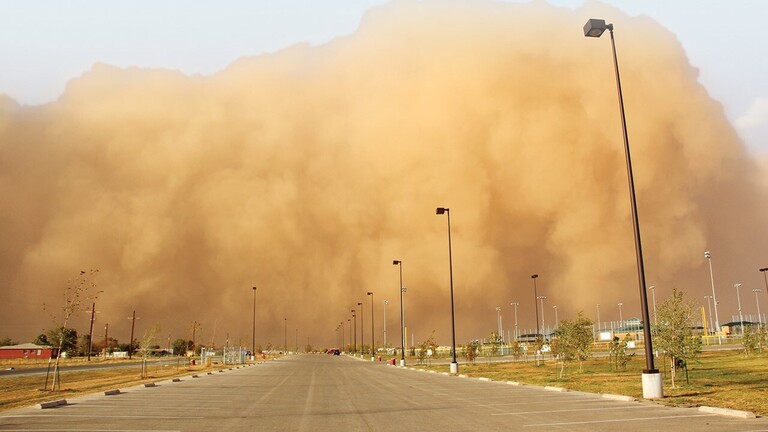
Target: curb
727, 412
52, 404
149, 384
112, 392
555, 389
618, 397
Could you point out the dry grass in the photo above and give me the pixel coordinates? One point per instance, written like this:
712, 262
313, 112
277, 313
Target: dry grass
26, 390
724, 379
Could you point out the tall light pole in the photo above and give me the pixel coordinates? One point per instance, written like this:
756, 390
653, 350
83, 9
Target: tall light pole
598, 317
354, 323
621, 316
653, 296
253, 327
402, 314
535, 306
285, 339
738, 300
709, 307
541, 300
349, 323
498, 321
557, 321
454, 368
373, 329
386, 302
757, 302
708, 256
765, 278
343, 333
362, 332
515, 305
652, 383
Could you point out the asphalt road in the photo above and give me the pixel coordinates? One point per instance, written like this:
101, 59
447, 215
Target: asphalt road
320, 392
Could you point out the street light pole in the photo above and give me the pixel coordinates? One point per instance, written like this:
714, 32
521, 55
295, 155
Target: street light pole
253, 327
402, 314
653, 295
386, 302
709, 307
516, 304
708, 256
651, 378
621, 316
535, 306
362, 331
498, 321
757, 302
454, 368
738, 300
598, 317
541, 300
285, 340
354, 323
557, 320
373, 329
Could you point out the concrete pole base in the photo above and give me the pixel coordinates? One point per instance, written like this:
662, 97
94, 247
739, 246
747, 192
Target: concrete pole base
652, 385
454, 368
402, 363
373, 359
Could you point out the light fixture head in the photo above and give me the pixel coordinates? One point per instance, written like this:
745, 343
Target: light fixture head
396, 262
534, 276
707, 255
441, 210
369, 293
596, 27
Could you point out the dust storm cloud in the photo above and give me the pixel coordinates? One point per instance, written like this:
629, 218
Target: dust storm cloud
305, 172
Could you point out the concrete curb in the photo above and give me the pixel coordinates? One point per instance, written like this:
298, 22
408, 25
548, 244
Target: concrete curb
618, 397
52, 404
176, 380
112, 392
555, 389
149, 384
727, 412
514, 383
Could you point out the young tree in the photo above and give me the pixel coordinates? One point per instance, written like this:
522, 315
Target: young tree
79, 290
674, 332
517, 350
617, 352
573, 342
472, 349
7, 341
146, 345
495, 341
754, 340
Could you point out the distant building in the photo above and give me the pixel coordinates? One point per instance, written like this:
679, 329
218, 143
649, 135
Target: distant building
28, 351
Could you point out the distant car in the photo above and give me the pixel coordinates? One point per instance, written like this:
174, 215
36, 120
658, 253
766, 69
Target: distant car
336, 352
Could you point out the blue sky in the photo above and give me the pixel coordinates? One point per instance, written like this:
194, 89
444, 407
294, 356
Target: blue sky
44, 43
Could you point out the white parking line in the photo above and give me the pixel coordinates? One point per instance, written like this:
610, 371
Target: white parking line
575, 410
619, 420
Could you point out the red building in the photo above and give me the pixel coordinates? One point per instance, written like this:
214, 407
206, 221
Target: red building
27, 351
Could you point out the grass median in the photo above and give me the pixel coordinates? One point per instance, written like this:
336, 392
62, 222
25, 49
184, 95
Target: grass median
724, 379
27, 390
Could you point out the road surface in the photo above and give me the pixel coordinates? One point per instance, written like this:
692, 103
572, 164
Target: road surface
339, 393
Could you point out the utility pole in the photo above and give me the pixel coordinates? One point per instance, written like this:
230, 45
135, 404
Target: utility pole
106, 332
133, 325
90, 332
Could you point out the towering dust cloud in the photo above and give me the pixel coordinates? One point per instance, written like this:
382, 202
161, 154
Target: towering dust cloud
307, 171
